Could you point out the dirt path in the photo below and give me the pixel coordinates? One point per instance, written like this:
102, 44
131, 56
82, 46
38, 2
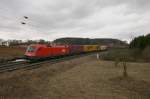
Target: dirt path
82, 78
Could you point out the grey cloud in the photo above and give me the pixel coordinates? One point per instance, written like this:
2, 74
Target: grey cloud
56, 18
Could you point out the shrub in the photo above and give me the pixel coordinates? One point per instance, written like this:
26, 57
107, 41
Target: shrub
146, 54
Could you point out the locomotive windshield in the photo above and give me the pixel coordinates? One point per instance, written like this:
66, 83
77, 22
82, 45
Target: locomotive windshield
31, 49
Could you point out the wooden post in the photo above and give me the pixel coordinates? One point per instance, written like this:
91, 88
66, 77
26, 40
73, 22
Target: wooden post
125, 69
125, 74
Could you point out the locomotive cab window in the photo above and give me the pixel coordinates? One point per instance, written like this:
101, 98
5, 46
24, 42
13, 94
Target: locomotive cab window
31, 49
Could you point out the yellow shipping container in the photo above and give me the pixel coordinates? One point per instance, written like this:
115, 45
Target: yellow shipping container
90, 48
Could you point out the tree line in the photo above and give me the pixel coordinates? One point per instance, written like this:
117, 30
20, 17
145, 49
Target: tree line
21, 42
87, 41
140, 42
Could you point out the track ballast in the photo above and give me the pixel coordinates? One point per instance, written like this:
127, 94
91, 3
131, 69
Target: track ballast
12, 66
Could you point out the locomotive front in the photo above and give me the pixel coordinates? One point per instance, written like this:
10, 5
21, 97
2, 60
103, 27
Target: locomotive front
31, 52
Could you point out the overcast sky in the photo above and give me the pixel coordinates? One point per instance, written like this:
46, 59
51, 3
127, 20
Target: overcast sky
51, 19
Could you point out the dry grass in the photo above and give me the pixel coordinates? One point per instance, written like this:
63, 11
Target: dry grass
82, 78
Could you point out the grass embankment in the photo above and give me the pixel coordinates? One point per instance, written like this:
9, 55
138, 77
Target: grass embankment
82, 78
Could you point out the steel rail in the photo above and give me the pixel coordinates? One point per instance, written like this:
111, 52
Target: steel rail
29, 66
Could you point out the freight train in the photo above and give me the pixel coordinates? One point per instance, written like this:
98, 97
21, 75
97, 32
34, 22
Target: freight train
43, 51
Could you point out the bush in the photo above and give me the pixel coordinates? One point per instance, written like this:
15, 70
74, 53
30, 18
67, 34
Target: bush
146, 54
117, 54
135, 53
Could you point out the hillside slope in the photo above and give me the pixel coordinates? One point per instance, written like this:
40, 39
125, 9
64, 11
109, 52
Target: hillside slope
83, 41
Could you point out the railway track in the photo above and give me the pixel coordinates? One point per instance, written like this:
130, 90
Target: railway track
12, 66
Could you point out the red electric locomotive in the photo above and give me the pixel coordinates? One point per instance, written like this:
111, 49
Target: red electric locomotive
41, 51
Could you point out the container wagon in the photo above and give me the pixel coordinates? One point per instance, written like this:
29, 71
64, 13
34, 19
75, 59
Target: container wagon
90, 48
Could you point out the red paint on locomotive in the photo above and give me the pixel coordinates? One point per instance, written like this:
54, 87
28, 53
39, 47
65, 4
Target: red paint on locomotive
43, 51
